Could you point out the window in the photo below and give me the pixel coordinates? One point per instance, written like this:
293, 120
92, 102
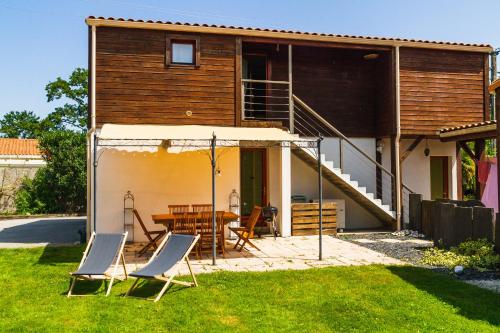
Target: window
182, 50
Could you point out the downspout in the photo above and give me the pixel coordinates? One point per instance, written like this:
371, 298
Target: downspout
91, 134
396, 142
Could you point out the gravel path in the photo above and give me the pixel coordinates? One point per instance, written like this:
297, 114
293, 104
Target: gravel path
410, 249
404, 248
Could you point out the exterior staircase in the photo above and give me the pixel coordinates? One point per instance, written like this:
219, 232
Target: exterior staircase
308, 123
350, 187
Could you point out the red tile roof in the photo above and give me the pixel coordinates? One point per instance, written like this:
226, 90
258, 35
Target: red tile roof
10, 146
467, 126
292, 33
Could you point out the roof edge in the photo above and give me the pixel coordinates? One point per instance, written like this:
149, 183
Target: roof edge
282, 34
494, 86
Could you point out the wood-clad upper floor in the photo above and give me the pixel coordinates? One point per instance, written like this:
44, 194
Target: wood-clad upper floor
135, 86
439, 88
442, 89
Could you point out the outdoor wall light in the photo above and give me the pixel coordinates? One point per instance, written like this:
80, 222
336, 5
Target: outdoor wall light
427, 151
380, 146
371, 56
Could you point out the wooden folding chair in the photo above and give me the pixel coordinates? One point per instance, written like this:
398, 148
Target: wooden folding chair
175, 209
244, 233
163, 265
152, 236
198, 208
206, 235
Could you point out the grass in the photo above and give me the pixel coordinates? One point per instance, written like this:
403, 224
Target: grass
369, 298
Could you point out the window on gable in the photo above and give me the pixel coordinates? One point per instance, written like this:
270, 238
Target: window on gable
183, 50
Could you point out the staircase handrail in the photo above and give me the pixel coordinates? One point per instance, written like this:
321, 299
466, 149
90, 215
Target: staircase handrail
338, 133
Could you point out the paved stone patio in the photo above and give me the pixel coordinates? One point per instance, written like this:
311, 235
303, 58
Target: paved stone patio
300, 252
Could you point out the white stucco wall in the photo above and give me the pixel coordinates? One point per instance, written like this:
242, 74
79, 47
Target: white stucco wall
279, 186
158, 180
355, 164
416, 170
304, 182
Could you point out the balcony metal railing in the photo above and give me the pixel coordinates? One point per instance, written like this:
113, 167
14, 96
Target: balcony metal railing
266, 100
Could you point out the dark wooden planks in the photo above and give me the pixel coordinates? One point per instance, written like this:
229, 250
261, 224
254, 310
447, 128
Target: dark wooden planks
440, 89
134, 85
305, 219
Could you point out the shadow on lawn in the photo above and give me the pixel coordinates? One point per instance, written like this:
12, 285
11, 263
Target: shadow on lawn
150, 289
472, 302
52, 255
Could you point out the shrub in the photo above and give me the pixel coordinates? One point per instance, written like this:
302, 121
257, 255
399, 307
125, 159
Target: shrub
60, 186
475, 254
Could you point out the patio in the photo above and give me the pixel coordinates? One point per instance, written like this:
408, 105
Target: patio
291, 253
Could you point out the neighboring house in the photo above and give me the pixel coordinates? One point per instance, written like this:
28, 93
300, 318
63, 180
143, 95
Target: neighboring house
379, 103
19, 159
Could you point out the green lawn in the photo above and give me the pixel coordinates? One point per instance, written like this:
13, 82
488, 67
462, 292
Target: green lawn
371, 298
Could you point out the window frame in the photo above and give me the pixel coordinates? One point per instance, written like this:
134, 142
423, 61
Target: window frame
182, 39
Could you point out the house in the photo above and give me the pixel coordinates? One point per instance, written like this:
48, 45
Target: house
379, 103
19, 159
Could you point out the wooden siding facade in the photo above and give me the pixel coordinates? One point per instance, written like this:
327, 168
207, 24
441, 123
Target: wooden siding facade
134, 85
441, 89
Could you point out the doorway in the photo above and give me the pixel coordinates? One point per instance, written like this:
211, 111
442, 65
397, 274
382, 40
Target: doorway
253, 179
255, 67
439, 177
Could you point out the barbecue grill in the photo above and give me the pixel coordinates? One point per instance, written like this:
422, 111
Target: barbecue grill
269, 214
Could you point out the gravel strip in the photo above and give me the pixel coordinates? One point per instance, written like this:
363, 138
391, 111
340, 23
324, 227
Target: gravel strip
404, 248
410, 250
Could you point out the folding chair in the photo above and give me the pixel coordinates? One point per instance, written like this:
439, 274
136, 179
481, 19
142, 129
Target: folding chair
198, 208
245, 233
98, 257
163, 264
152, 236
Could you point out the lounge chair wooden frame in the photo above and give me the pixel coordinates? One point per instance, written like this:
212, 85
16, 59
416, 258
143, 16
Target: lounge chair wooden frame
170, 278
105, 277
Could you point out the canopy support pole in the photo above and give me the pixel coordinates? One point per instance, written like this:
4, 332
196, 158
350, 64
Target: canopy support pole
214, 240
94, 215
320, 194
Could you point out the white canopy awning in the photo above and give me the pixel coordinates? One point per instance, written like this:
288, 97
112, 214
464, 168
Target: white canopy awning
178, 138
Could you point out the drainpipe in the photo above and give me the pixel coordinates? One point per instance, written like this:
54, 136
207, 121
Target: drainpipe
396, 143
91, 137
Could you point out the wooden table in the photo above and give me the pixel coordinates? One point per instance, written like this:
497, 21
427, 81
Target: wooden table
168, 219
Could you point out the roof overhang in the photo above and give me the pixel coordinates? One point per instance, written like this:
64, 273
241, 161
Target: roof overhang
181, 138
484, 130
285, 35
494, 86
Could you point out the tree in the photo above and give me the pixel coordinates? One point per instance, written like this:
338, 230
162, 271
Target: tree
60, 186
72, 115
20, 124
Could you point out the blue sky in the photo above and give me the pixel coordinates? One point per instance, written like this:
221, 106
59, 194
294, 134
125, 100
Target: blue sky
42, 40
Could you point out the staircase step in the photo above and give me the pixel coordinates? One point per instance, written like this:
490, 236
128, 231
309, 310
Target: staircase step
362, 190
350, 187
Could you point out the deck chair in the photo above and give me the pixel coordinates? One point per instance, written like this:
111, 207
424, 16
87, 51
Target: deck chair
152, 236
102, 250
162, 265
245, 233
